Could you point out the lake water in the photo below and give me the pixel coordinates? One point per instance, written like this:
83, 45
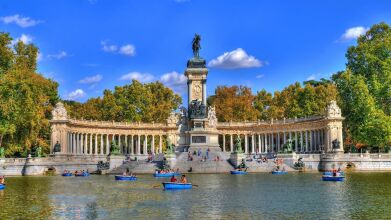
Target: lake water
219, 196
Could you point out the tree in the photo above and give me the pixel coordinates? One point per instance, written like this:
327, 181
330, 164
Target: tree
26, 99
234, 103
135, 102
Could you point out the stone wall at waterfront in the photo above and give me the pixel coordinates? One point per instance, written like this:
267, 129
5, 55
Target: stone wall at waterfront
38, 166
313, 162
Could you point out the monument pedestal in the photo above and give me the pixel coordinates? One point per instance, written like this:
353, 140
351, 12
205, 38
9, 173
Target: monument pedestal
236, 158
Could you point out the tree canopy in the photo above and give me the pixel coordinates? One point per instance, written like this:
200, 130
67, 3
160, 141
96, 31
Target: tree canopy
26, 98
135, 102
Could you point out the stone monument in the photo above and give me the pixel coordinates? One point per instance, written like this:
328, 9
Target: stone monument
201, 127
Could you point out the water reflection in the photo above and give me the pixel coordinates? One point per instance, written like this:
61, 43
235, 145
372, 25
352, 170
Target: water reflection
300, 195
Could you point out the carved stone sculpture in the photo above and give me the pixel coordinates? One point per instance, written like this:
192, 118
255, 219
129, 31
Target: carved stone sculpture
59, 112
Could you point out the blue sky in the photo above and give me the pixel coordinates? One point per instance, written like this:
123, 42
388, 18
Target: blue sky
89, 46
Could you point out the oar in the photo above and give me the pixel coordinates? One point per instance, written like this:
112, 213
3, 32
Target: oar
156, 186
195, 185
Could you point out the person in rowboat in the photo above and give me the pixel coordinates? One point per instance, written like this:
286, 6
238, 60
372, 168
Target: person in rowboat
173, 179
2, 180
183, 179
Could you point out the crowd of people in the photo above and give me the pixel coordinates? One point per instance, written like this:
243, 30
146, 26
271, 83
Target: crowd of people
199, 154
163, 171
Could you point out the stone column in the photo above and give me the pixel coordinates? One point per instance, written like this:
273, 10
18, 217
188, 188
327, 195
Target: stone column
138, 145
245, 144
160, 143
296, 144
101, 144
278, 142
96, 144
223, 142
265, 143
107, 145
85, 143
145, 146
259, 144
231, 143
204, 92
119, 144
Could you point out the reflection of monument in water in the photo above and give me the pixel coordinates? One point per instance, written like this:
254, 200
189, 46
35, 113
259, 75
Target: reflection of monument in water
201, 120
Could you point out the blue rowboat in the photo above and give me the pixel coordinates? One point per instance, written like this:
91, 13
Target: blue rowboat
170, 185
129, 178
333, 178
2, 186
67, 174
238, 172
166, 174
82, 174
279, 172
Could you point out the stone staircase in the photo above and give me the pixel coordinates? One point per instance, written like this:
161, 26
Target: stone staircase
139, 166
210, 165
255, 166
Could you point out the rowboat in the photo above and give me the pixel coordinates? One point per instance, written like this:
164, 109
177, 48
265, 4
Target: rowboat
238, 172
82, 174
333, 178
2, 186
170, 185
128, 178
67, 174
279, 172
166, 174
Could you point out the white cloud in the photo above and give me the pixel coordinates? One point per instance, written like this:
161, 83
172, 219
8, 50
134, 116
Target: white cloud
19, 20
235, 59
354, 33
58, 56
128, 50
108, 48
259, 76
142, 77
91, 79
77, 94
175, 81
312, 77
26, 39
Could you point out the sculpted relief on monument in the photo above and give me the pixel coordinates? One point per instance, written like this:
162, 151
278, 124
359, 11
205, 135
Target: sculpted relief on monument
196, 90
59, 112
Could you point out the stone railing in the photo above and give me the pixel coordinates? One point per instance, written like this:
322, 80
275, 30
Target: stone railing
116, 124
270, 122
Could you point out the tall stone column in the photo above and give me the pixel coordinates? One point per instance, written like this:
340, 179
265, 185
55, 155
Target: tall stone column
85, 143
96, 144
126, 145
102, 147
245, 144
231, 143
223, 142
107, 145
266, 143
284, 137
120, 144
272, 143
259, 144
296, 144
145, 146
278, 142
90, 146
